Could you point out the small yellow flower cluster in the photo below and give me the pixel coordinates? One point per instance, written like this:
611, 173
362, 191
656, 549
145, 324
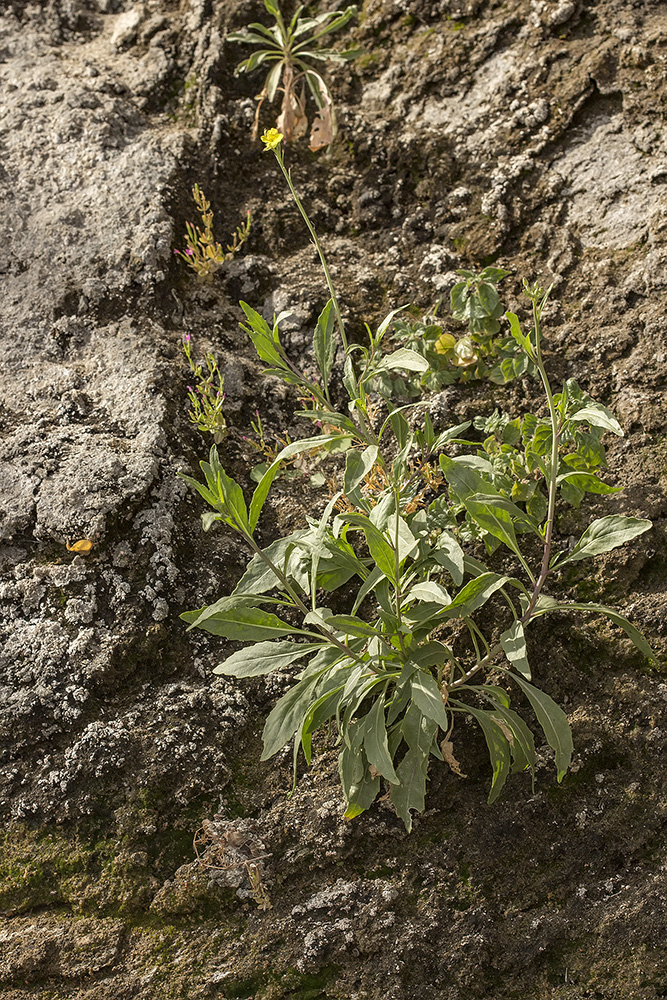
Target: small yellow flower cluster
272, 139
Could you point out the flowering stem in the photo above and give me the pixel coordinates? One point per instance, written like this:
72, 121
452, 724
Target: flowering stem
318, 246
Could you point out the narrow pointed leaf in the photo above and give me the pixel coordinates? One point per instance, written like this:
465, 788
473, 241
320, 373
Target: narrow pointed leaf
498, 747
264, 657
553, 721
605, 534
513, 642
324, 346
428, 699
375, 741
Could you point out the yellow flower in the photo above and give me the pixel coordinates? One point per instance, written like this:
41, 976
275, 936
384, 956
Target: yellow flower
272, 138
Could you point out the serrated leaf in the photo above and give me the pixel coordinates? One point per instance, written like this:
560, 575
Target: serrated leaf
264, 657
410, 792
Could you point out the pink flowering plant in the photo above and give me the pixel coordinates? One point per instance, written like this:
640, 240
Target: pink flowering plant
202, 253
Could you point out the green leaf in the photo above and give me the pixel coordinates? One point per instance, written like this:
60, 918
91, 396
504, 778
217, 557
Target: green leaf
264, 657
429, 591
359, 788
598, 416
475, 593
588, 482
349, 378
230, 499
258, 578
448, 553
513, 642
605, 534
404, 358
495, 520
520, 738
432, 654
321, 710
464, 480
324, 346
553, 721
319, 548
419, 733
631, 631
500, 503
357, 466
410, 792
352, 625
380, 549
288, 714
426, 696
262, 337
261, 493
499, 749
249, 625
515, 329
375, 741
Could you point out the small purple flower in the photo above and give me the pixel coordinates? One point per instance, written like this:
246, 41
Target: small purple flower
191, 388
189, 251
186, 338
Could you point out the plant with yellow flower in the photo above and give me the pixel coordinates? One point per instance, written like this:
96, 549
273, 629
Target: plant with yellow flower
402, 631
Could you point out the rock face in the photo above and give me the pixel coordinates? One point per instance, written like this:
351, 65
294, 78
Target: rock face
528, 134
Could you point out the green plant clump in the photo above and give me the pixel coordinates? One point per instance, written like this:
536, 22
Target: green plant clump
292, 49
430, 633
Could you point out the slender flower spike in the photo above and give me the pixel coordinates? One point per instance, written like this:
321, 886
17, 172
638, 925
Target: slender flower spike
272, 138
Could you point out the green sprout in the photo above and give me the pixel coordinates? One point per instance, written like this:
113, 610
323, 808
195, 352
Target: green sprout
207, 396
292, 51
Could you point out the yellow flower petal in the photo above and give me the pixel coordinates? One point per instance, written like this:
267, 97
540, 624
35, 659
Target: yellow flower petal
272, 138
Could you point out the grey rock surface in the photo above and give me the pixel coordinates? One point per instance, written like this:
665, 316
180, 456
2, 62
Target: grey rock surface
531, 135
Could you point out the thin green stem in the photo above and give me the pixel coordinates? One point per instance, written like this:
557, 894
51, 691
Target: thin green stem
327, 633
318, 246
556, 428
